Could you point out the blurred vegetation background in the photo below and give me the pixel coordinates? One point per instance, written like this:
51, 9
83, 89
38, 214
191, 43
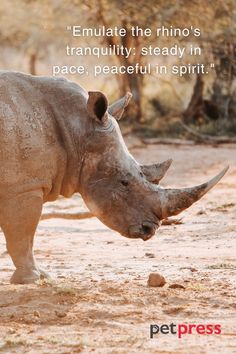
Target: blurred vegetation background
33, 37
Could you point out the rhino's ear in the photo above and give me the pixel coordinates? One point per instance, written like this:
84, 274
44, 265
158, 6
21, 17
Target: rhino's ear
118, 107
97, 106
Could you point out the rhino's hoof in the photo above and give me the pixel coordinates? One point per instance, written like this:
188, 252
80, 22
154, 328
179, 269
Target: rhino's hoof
25, 276
28, 276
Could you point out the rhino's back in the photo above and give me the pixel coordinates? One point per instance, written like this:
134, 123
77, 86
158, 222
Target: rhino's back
29, 148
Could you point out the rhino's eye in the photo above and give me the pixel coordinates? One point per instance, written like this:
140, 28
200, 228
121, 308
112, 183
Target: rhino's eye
124, 182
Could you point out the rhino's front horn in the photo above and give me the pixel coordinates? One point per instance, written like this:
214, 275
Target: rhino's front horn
154, 173
172, 201
118, 107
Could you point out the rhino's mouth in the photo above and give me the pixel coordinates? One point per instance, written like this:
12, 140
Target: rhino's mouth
144, 231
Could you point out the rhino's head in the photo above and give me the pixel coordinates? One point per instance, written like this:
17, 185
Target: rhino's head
123, 194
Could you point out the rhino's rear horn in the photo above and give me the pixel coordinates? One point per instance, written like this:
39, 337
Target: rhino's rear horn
154, 173
172, 201
118, 107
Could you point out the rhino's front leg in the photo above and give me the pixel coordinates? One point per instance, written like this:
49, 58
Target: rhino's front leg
19, 219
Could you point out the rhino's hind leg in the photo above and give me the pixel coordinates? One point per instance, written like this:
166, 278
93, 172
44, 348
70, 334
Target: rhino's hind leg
19, 220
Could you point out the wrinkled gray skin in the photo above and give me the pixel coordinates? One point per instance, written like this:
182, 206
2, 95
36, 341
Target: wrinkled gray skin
57, 139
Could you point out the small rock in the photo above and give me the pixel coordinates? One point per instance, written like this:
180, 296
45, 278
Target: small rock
173, 310
176, 286
60, 314
36, 313
150, 255
11, 330
193, 269
201, 212
156, 280
31, 331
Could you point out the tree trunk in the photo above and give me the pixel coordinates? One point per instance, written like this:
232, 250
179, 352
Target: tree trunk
32, 63
132, 83
194, 110
223, 92
126, 82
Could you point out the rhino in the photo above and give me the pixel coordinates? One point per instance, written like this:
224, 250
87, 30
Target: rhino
58, 139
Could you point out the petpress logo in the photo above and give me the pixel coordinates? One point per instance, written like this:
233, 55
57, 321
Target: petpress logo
182, 329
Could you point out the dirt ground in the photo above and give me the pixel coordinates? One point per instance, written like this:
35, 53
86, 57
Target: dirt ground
99, 301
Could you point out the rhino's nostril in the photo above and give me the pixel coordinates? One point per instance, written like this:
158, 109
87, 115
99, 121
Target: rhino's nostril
145, 231
125, 183
148, 228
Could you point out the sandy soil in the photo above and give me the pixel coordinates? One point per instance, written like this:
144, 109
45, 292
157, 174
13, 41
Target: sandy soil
100, 301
